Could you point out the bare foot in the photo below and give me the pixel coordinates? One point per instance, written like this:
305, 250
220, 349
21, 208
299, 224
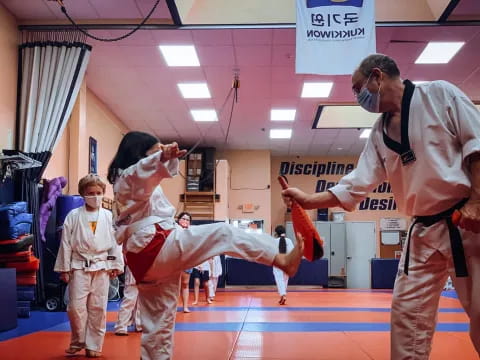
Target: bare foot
93, 354
73, 350
290, 262
283, 300
186, 310
209, 301
195, 303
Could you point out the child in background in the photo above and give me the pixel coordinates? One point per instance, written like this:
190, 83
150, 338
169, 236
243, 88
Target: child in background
215, 272
88, 257
184, 219
285, 245
201, 275
129, 312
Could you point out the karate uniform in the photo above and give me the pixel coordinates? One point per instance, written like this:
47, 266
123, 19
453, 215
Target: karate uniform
443, 128
88, 257
141, 209
129, 312
281, 278
215, 273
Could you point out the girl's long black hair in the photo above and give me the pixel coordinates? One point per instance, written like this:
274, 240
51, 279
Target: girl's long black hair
282, 244
132, 148
182, 214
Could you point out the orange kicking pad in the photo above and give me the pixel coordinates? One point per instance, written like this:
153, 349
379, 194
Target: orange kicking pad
302, 224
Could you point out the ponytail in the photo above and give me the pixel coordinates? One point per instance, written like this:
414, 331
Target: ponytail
282, 245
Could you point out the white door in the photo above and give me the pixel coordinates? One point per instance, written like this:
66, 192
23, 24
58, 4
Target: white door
323, 229
289, 232
361, 248
337, 249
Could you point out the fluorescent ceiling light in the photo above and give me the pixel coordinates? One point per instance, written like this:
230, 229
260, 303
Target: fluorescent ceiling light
365, 133
280, 133
439, 52
194, 90
282, 114
316, 89
181, 55
343, 116
204, 115
419, 82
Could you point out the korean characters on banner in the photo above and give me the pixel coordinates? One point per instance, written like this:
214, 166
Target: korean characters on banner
333, 36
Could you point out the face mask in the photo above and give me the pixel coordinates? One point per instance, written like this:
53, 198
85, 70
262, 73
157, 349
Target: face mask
368, 100
93, 201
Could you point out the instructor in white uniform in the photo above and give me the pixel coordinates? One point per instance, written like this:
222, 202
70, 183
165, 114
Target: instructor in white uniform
426, 144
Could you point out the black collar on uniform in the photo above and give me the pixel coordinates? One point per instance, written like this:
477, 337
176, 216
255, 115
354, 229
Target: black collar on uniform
404, 146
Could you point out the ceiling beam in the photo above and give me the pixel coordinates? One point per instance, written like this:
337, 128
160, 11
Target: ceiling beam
164, 24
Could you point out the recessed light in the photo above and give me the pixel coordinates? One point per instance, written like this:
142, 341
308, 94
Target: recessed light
419, 82
282, 114
339, 148
194, 90
316, 89
365, 133
439, 52
179, 55
280, 133
204, 115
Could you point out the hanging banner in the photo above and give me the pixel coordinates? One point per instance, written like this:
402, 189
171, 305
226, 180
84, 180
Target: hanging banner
334, 36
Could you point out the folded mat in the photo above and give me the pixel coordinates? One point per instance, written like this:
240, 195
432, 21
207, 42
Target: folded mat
8, 211
26, 279
26, 266
20, 256
16, 226
23, 312
26, 293
20, 244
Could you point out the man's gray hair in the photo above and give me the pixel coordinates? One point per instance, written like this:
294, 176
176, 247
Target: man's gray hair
383, 62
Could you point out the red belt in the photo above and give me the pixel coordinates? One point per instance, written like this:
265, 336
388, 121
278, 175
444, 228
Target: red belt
139, 263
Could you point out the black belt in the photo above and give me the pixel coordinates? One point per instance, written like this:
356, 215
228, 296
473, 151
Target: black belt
455, 238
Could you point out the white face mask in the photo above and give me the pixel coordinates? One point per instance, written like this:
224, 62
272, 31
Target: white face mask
93, 201
368, 100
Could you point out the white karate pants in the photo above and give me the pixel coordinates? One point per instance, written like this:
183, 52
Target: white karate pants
416, 295
184, 249
87, 308
281, 279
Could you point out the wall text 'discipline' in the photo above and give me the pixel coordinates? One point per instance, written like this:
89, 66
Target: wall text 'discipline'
333, 168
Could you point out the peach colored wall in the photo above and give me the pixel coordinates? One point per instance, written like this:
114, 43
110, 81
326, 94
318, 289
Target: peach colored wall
8, 84
438, 7
90, 117
283, 11
222, 184
249, 183
105, 127
308, 183
172, 188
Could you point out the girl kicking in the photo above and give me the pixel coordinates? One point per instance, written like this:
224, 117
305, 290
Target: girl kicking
157, 249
